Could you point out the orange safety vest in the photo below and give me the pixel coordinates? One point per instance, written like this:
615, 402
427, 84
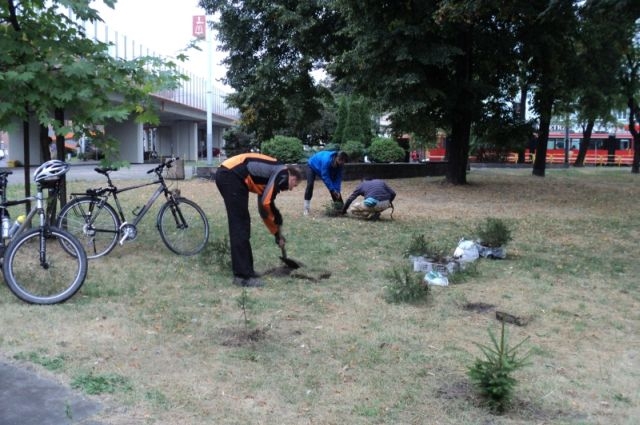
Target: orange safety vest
260, 173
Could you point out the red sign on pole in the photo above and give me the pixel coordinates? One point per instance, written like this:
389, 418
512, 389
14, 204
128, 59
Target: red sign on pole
199, 26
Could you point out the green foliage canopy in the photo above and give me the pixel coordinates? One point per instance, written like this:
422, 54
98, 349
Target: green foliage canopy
48, 63
273, 46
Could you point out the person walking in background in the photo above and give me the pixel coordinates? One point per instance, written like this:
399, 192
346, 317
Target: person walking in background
266, 177
378, 196
328, 165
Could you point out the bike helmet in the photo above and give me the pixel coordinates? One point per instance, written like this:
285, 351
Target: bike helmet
50, 170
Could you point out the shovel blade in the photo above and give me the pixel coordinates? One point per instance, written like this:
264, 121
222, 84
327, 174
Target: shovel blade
292, 264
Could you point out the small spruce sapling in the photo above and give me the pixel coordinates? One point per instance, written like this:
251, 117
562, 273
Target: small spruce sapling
492, 376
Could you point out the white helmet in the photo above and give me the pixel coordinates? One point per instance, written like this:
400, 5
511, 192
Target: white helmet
50, 170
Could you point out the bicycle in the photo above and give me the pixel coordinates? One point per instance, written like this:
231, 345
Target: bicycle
43, 264
182, 224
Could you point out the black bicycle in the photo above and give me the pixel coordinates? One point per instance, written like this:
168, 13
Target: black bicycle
41, 264
89, 216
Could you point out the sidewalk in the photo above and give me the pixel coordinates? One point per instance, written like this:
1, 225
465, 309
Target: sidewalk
85, 171
28, 399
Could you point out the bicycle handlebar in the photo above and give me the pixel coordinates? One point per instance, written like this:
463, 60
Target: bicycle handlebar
159, 168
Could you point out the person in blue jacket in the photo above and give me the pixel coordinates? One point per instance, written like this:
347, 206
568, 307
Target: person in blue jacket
327, 165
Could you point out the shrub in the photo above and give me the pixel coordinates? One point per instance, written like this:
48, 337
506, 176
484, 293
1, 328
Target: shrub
330, 147
492, 376
354, 149
420, 247
333, 208
493, 232
405, 286
383, 149
288, 150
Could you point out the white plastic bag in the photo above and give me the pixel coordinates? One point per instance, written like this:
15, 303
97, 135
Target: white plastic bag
436, 278
466, 252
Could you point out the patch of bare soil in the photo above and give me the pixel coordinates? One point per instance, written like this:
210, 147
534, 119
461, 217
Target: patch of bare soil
310, 275
242, 337
479, 307
455, 390
520, 410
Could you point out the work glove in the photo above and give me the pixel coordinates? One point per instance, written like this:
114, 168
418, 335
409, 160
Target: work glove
280, 240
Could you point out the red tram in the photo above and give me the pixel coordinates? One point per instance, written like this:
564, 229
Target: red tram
604, 148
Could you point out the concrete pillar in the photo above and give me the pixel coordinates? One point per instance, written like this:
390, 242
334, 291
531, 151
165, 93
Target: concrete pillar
185, 140
16, 142
129, 133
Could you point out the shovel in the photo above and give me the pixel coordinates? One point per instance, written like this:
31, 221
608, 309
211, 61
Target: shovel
292, 264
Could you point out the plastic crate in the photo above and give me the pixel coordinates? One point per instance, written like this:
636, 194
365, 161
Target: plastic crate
426, 265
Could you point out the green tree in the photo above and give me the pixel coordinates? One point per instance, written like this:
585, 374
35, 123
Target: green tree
599, 51
49, 64
50, 68
429, 64
343, 113
273, 47
358, 124
628, 11
547, 33
237, 141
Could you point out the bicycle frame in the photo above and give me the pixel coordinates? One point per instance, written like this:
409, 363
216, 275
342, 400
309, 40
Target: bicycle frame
61, 259
112, 191
38, 209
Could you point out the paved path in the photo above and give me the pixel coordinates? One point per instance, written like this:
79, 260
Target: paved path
28, 399
85, 171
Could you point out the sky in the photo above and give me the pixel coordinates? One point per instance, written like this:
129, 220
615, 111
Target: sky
163, 26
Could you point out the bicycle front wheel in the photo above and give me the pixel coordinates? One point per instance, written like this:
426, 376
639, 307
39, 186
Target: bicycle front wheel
45, 267
96, 226
183, 226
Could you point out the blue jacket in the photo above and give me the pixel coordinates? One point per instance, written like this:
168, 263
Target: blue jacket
320, 164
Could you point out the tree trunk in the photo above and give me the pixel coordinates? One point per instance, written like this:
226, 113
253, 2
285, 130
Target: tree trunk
584, 144
635, 166
458, 147
522, 106
540, 163
458, 152
60, 139
27, 164
633, 110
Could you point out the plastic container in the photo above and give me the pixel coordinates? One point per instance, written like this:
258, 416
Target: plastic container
16, 225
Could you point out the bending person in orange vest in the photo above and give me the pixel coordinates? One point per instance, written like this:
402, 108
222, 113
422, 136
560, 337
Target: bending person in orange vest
266, 177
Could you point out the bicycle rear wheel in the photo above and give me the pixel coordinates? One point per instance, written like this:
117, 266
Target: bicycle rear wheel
96, 226
45, 268
183, 226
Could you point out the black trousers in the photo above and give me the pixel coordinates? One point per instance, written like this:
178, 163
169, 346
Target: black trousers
236, 200
311, 179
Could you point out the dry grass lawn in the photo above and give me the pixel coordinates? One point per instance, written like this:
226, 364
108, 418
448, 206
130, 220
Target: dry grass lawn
332, 350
